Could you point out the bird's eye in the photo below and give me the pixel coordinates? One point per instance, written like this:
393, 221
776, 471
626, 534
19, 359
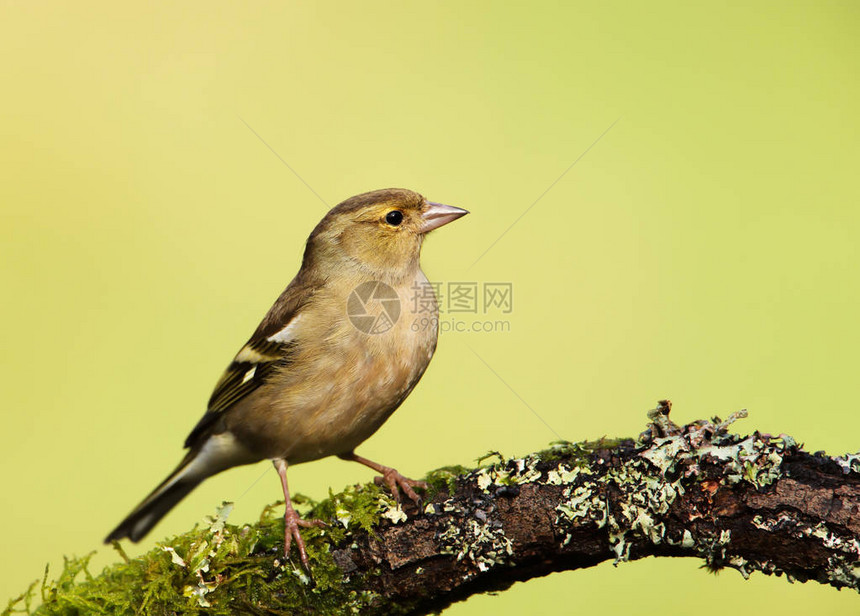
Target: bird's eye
394, 217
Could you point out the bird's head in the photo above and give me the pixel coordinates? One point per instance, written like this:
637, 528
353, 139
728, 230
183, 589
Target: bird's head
380, 232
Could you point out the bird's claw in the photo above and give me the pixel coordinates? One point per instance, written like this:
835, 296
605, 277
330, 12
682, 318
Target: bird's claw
292, 523
396, 482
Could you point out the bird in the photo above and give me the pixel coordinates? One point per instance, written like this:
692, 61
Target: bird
338, 352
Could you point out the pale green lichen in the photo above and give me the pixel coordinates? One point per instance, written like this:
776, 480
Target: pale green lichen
842, 572
580, 504
640, 498
479, 542
687, 540
470, 533
564, 475
392, 511
847, 559
849, 463
754, 459
843, 567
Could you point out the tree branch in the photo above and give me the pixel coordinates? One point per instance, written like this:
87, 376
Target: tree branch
753, 503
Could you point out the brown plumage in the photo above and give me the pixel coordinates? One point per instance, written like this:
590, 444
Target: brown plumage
330, 361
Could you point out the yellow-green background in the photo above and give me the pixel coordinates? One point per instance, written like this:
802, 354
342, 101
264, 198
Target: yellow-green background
704, 250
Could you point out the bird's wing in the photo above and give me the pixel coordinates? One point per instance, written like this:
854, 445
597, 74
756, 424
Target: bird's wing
269, 347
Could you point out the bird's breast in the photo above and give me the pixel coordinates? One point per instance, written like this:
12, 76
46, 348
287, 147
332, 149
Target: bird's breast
353, 366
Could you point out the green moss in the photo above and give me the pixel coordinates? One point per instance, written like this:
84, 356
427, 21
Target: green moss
491, 454
581, 451
226, 569
223, 568
443, 480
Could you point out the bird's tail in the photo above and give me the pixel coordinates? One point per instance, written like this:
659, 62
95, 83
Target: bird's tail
217, 453
154, 507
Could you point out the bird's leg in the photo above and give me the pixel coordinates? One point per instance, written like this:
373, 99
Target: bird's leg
292, 521
394, 480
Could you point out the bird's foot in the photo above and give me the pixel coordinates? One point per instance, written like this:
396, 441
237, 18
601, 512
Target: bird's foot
397, 482
292, 523
390, 477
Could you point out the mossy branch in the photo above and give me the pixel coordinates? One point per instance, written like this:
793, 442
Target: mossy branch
752, 503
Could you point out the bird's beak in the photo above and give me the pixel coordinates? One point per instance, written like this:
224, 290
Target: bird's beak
437, 215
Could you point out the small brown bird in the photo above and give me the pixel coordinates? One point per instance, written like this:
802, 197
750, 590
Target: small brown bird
329, 363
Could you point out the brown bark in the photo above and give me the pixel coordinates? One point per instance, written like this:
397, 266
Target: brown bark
788, 512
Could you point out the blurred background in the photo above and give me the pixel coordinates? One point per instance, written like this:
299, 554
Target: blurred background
669, 189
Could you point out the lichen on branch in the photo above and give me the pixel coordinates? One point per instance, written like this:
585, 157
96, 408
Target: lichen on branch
753, 503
